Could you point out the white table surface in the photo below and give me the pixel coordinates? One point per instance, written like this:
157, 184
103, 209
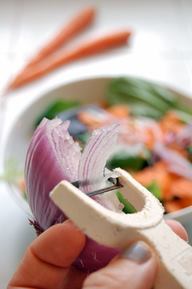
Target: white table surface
161, 50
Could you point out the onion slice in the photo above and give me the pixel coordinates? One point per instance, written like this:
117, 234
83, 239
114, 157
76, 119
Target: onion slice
184, 137
176, 163
101, 145
54, 156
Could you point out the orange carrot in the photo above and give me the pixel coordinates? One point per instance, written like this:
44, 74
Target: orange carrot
171, 186
150, 136
81, 21
171, 123
91, 121
87, 49
181, 188
120, 111
175, 205
157, 173
172, 206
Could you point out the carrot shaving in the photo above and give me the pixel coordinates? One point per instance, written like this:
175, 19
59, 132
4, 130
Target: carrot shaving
91, 121
172, 206
171, 123
151, 137
157, 173
175, 205
120, 111
181, 188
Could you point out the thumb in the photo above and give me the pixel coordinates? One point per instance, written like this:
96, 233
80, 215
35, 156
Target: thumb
134, 269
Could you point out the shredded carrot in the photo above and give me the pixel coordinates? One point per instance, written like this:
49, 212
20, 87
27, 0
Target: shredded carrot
175, 205
171, 123
181, 188
176, 147
157, 173
172, 206
185, 202
91, 121
120, 111
151, 137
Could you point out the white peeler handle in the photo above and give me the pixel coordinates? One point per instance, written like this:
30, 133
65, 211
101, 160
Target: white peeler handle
175, 257
115, 230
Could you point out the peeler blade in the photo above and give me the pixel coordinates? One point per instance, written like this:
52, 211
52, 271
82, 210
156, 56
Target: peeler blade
114, 181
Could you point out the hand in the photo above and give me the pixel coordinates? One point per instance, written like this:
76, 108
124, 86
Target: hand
47, 263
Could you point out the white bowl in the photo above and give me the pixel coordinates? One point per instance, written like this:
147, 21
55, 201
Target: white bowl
87, 91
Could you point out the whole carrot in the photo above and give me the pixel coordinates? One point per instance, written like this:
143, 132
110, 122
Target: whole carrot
81, 21
87, 49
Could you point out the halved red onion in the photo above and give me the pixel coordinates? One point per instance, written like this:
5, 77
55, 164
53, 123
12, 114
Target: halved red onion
54, 156
176, 163
94, 256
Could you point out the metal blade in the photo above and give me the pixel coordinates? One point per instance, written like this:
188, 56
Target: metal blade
115, 185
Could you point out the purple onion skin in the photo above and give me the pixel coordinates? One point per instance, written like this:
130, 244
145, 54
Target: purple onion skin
40, 203
94, 256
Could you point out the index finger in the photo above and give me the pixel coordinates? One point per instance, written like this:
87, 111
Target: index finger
49, 257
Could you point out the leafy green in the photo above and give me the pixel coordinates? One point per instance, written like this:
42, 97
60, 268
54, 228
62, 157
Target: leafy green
145, 98
122, 90
141, 109
154, 188
126, 160
165, 94
128, 208
189, 149
55, 108
83, 138
184, 116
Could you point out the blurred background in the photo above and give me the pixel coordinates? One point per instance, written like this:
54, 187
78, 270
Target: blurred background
160, 49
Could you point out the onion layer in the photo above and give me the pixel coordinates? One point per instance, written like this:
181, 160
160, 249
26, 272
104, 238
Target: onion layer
176, 163
52, 156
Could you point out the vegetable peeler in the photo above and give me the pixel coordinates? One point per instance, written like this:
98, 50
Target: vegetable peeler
118, 229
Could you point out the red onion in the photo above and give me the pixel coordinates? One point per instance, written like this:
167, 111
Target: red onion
54, 156
176, 163
100, 147
94, 256
184, 137
144, 123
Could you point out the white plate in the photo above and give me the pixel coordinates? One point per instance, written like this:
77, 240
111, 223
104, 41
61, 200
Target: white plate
87, 91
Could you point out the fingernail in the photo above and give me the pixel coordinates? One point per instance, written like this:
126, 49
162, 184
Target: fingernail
137, 252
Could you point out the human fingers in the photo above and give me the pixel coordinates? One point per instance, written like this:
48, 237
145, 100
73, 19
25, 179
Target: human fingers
134, 269
74, 279
178, 229
47, 260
